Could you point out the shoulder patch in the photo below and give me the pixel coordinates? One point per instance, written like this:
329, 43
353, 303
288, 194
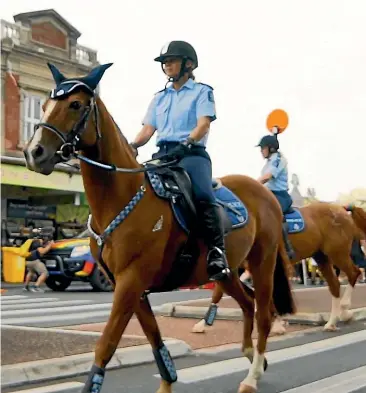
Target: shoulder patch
204, 84
211, 96
276, 161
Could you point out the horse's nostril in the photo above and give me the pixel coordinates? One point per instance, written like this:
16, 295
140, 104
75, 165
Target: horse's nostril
38, 151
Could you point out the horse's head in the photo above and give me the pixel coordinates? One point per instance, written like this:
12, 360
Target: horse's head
65, 126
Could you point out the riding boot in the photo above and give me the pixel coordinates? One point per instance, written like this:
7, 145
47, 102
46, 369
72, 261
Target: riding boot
213, 236
289, 249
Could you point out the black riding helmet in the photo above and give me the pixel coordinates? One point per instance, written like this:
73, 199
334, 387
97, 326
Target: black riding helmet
179, 49
271, 142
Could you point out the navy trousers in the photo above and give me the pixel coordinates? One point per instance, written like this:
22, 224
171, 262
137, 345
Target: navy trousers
284, 199
198, 167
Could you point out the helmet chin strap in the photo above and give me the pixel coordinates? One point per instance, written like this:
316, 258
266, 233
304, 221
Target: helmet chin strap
183, 70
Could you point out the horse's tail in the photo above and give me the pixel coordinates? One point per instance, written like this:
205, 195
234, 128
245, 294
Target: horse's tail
282, 294
358, 216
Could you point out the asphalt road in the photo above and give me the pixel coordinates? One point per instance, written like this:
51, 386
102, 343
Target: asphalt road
313, 362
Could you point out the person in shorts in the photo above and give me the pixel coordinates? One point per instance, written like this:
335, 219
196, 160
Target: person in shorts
35, 266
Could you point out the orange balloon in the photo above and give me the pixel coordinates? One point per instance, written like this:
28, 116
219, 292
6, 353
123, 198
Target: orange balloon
277, 118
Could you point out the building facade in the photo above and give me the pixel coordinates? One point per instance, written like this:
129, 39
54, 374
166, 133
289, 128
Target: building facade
34, 39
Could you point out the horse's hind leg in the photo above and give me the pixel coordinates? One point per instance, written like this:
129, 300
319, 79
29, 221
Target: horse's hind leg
263, 284
162, 356
210, 316
235, 289
326, 268
124, 301
345, 263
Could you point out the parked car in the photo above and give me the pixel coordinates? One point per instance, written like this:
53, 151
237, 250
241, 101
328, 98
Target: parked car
71, 260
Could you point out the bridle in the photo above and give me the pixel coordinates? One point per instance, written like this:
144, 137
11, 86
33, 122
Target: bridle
71, 141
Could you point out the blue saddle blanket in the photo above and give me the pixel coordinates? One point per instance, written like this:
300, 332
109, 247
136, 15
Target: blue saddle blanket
295, 221
233, 206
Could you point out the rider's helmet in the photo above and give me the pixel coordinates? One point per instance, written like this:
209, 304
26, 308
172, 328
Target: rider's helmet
179, 49
271, 142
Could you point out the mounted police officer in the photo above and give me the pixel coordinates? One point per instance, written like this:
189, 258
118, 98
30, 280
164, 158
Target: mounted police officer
275, 177
181, 114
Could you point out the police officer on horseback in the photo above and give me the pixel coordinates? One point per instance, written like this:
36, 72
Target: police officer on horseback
181, 114
275, 177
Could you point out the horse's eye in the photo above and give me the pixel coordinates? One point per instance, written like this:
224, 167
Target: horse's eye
76, 105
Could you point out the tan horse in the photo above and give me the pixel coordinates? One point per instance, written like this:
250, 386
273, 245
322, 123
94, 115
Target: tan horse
327, 237
136, 237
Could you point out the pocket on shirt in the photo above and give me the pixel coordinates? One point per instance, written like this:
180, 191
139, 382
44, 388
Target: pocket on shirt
161, 115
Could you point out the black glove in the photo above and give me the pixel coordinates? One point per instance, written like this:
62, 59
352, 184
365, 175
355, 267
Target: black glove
181, 150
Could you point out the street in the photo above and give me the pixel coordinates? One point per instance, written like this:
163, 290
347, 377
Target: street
304, 360
313, 362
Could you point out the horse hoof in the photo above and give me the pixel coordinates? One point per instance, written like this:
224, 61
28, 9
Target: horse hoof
244, 388
199, 327
278, 330
265, 364
165, 387
346, 315
330, 328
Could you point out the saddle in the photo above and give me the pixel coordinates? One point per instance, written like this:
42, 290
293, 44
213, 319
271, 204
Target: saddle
174, 185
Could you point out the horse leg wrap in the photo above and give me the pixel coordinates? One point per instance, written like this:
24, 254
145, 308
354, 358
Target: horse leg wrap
211, 314
165, 364
95, 380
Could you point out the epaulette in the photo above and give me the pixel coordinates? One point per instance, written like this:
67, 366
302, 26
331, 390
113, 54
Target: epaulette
204, 84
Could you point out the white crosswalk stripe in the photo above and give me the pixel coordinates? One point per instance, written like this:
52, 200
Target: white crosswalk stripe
12, 297
51, 311
345, 382
65, 387
40, 304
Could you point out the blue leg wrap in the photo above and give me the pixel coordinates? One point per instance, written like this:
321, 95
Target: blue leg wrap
95, 380
165, 364
211, 314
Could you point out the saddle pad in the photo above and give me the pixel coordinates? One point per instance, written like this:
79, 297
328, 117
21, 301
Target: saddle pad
295, 221
233, 206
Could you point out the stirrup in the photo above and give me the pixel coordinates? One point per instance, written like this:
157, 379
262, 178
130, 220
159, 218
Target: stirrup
225, 272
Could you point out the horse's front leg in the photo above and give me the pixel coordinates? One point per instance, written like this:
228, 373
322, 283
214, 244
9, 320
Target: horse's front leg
162, 356
125, 299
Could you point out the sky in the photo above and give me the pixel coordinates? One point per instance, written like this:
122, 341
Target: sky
306, 57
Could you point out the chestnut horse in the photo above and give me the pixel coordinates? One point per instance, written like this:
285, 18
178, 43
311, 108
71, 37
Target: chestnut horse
136, 238
327, 236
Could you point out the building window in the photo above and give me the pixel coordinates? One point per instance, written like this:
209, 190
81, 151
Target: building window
32, 114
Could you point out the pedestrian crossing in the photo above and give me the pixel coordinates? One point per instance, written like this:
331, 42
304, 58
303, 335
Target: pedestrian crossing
23, 310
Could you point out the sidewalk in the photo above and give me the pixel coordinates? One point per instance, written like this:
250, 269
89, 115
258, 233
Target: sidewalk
18, 345
313, 307
32, 355
223, 332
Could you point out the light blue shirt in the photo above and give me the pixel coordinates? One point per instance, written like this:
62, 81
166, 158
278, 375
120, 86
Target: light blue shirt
175, 113
276, 165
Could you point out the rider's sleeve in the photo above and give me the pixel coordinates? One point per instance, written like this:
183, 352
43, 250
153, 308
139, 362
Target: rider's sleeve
276, 167
206, 104
150, 117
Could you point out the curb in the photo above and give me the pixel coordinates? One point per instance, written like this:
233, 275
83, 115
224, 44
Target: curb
235, 314
75, 365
